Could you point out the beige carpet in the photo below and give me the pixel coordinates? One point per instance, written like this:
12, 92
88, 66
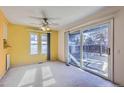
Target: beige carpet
51, 74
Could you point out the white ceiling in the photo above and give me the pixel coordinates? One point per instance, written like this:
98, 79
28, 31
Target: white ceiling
65, 14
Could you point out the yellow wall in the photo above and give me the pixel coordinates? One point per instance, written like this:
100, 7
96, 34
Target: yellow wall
19, 40
54, 45
3, 52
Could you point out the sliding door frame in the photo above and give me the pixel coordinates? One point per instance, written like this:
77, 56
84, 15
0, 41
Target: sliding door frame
111, 46
66, 49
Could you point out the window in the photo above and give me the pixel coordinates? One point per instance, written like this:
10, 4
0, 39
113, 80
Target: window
33, 43
38, 44
44, 43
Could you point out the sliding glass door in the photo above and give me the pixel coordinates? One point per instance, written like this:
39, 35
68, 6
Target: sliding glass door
95, 45
74, 48
90, 49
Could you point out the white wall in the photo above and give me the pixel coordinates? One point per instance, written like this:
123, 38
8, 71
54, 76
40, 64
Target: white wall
119, 48
118, 40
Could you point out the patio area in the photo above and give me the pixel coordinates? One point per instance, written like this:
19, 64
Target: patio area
92, 61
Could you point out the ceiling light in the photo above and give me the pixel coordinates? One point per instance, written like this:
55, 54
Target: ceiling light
47, 28
43, 28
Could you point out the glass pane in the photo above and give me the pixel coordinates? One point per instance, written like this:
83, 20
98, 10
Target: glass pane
74, 49
95, 46
44, 49
34, 49
33, 43
44, 44
44, 37
34, 38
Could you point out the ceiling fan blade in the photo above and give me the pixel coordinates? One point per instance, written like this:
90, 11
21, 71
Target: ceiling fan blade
40, 18
55, 24
36, 17
54, 18
37, 24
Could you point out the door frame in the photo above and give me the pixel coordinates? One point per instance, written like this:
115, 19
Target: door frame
111, 45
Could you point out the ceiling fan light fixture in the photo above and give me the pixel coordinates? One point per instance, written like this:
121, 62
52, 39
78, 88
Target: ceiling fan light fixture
43, 28
45, 24
47, 28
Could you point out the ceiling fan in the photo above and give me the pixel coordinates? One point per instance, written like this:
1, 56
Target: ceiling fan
45, 23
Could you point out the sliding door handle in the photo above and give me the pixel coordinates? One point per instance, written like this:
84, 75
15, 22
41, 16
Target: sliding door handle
109, 51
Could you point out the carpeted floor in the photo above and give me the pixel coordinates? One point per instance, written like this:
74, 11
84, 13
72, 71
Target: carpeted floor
51, 74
